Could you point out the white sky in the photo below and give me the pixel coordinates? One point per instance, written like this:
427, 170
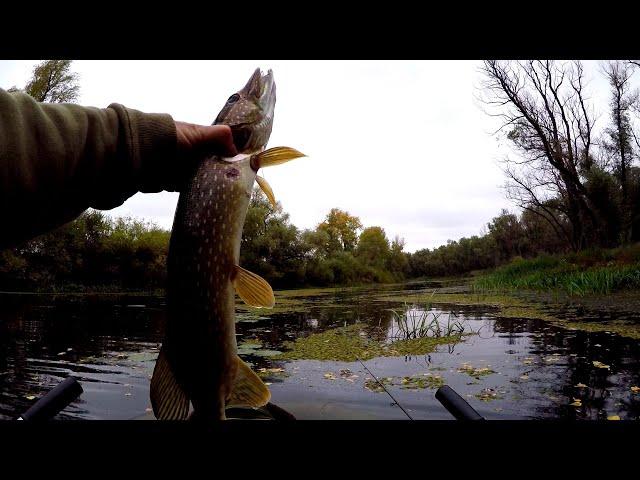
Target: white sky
401, 144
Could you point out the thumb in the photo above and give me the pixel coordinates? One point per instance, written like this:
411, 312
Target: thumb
216, 139
200, 139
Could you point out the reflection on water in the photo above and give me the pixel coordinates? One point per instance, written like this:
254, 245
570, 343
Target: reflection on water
43, 339
506, 368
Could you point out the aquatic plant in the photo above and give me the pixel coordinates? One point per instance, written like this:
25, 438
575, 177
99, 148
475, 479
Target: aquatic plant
350, 343
413, 323
573, 274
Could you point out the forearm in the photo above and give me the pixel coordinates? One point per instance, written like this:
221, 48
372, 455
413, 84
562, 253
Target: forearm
57, 160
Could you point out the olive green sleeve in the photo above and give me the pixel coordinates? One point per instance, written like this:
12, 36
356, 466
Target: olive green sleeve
57, 160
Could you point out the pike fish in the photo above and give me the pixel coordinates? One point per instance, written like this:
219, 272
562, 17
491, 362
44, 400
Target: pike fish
198, 370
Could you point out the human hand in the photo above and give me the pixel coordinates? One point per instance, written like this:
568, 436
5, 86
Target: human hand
198, 141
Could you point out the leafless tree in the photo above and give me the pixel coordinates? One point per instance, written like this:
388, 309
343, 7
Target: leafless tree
545, 115
620, 141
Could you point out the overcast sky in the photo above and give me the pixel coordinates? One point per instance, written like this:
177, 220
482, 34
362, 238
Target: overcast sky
400, 144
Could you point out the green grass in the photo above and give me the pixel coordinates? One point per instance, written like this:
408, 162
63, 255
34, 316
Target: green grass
582, 273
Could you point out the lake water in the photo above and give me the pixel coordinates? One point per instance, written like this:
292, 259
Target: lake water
505, 368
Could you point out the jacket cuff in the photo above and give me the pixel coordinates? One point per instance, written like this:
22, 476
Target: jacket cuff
153, 148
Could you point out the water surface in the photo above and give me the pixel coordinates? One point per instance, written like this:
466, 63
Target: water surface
505, 368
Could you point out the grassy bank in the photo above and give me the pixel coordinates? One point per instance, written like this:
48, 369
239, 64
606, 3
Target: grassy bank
587, 272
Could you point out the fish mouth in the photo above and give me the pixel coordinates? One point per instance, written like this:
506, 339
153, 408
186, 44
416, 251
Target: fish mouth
268, 94
241, 135
262, 90
252, 120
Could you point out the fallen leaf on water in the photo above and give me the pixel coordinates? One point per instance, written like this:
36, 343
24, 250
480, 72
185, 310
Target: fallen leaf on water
635, 389
600, 365
329, 376
581, 385
613, 417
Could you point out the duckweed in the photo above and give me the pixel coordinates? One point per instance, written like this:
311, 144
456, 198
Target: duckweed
348, 345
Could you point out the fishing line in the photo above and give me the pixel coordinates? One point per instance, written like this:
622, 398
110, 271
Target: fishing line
384, 388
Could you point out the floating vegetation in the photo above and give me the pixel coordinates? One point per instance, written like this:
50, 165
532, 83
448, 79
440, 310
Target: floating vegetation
426, 380
600, 365
414, 382
351, 343
272, 372
474, 372
254, 347
348, 375
375, 385
488, 394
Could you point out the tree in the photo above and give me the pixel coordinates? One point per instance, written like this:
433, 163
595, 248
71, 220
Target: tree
53, 82
620, 141
271, 246
342, 230
373, 247
542, 107
508, 234
398, 262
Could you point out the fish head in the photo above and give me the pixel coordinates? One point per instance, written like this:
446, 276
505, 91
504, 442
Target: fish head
249, 113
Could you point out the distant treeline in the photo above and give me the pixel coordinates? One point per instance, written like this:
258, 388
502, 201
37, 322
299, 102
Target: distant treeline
95, 252
89, 253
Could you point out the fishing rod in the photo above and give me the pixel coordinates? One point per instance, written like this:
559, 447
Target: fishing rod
385, 389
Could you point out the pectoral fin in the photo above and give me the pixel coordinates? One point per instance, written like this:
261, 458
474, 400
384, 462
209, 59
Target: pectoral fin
168, 400
266, 188
248, 389
253, 289
276, 156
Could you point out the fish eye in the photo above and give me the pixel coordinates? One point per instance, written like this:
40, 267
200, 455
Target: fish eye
233, 98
